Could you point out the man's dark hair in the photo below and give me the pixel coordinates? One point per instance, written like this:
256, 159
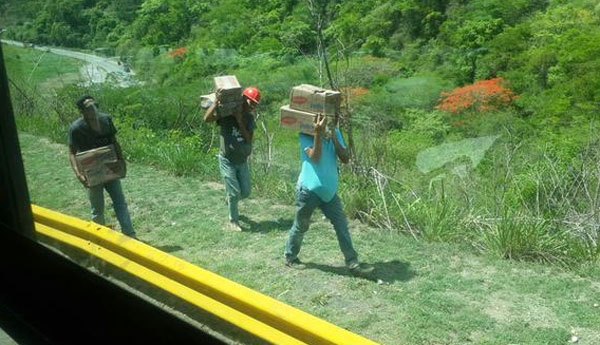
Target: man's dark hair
82, 99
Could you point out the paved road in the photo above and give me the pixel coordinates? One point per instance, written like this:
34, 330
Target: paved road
98, 69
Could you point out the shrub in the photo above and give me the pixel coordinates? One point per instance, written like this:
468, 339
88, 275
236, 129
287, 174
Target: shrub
437, 219
406, 145
426, 123
178, 54
518, 236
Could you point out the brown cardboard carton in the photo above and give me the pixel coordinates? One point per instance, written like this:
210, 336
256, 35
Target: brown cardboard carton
231, 91
313, 99
297, 120
230, 97
100, 165
225, 109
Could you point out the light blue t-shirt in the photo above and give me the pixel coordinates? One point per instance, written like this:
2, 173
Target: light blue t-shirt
321, 178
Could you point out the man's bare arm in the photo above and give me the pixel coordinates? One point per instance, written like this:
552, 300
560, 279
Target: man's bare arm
342, 152
315, 152
211, 113
73, 161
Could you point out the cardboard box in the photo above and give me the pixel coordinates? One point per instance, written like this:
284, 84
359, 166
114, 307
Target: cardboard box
206, 101
230, 97
231, 91
297, 120
100, 165
313, 99
225, 109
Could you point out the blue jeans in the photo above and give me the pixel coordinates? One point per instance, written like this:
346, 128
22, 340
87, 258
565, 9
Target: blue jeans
237, 184
306, 204
96, 195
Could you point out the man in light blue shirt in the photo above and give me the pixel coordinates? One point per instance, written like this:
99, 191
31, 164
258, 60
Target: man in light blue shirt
317, 187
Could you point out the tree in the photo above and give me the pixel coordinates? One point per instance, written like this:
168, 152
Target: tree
483, 96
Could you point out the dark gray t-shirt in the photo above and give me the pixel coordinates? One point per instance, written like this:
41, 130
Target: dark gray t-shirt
233, 145
83, 138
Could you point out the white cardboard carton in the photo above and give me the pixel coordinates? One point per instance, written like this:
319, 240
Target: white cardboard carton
297, 120
225, 109
316, 100
231, 90
231, 95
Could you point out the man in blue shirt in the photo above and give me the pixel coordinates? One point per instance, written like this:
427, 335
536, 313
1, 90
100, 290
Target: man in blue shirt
317, 187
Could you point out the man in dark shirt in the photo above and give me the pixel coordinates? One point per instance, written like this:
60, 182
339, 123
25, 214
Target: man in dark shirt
236, 145
93, 130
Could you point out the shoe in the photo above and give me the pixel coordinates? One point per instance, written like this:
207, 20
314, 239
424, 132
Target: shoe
295, 264
235, 227
360, 268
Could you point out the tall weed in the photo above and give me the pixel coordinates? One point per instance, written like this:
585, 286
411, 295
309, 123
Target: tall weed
517, 236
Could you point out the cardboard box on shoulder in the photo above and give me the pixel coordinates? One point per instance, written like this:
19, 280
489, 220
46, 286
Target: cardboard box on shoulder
297, 120
206, 101
313, 99
230, 95
231, 90
100, 165
225, 109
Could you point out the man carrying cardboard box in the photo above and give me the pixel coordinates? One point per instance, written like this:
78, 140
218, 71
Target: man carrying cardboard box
236, 145
92, 131
317, 187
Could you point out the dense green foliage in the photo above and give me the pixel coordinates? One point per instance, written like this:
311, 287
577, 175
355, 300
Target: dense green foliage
533, 195
548, 49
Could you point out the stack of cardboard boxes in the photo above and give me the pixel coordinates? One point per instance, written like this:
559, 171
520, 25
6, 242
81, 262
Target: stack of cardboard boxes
230, 96
306, 101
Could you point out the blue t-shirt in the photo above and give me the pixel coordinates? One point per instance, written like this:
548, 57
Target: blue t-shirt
321, 178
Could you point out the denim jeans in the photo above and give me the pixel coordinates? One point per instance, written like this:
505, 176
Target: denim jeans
96, 195
306, 204
237, 184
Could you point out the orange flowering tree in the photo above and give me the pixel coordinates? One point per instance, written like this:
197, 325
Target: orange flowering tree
486, 95
178, 54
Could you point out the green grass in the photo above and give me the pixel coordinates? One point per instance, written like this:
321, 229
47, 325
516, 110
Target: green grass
36, 67
429, 293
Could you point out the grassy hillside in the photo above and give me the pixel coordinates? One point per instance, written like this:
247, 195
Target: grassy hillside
36, 67
420, 294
